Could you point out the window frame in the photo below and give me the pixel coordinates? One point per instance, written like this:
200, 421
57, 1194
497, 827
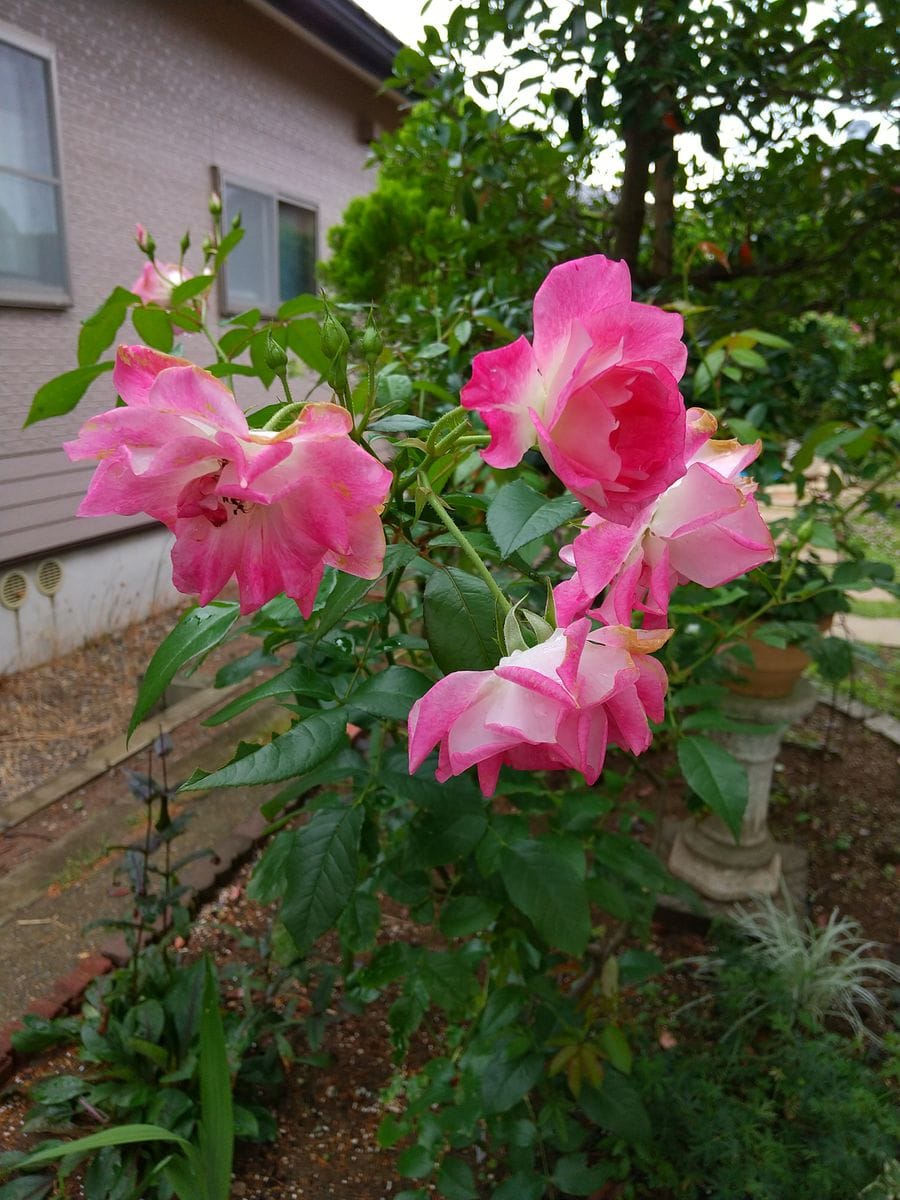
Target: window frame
275, 196
21, 295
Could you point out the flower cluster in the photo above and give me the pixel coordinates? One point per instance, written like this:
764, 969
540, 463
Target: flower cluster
596, 390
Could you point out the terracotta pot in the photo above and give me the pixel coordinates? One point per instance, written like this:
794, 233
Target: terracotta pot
776, 670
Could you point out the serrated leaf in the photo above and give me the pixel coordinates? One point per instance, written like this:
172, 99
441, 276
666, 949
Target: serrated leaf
295, 681
302, 748
617, 1107
190, 288
455, 1180
98, 331
543, 884
61, 395
518, 515
153, 327
465, 915
616, 1048
505, 1081
573, 1175
717, 778
321, 873
197, 632
460, 622
305, 339
304, 303
390, 694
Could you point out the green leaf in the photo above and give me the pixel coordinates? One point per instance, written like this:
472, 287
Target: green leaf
460, 622
61, 394
189, 289
227, 244
450, 828
416, 1162
299, 750
99, 330
390, 694
153, 327
717, 778
197, 632
455, 1180
298, 305
216, 1130
305, 339
348, 590
617, 1107
505, 1081
573, 1175
518, 515
465, 915
296, 680
32, 1187
766, 339
616, 1048
751, 359
399, 423
121, 1135
321, 873
543, 884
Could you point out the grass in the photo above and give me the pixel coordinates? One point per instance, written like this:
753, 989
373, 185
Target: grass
876, 684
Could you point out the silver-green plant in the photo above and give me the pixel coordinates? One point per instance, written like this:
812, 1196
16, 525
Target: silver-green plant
825, 971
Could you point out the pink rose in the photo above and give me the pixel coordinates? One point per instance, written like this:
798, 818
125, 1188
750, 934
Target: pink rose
553, 707
597, 390
269, 509
706, 528
157, 281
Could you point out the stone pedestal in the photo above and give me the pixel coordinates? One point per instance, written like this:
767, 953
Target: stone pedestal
704, 853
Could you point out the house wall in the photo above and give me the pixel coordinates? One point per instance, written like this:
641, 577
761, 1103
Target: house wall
151, 95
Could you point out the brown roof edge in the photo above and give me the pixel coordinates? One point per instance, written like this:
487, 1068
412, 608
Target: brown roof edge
344, 28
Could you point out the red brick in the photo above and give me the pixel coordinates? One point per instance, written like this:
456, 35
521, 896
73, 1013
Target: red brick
47, 1007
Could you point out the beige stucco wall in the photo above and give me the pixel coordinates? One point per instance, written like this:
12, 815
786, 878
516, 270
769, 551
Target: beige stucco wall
151, 95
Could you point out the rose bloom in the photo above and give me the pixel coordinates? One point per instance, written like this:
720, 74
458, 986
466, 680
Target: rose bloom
270, 509
553, 707
597, 390
706, 528
157, 281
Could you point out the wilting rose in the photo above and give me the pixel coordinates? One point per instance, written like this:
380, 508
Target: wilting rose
706, 528
597, 390
269, 509
553, 707
157, 281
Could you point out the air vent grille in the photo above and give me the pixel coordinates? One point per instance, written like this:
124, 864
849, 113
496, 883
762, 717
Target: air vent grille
13, 589
48, 577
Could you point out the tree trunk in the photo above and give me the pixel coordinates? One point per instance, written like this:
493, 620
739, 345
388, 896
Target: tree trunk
664, 209
631, 209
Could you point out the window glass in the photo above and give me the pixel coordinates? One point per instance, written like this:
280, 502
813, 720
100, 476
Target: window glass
250, 267
296, 250
26, 130
32, 245
29, 233
276, 258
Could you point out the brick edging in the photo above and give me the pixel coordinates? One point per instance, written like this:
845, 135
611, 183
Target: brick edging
201, 877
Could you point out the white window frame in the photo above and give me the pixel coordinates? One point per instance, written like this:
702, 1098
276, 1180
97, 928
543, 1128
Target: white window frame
274, 195
21, 295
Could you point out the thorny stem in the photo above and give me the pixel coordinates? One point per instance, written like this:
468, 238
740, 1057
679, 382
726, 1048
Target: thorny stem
464, 544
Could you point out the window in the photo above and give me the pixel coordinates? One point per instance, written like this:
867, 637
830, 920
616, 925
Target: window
33, 267
276, 258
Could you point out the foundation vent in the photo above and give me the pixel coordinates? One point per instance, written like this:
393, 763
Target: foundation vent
48, 577
13, 589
